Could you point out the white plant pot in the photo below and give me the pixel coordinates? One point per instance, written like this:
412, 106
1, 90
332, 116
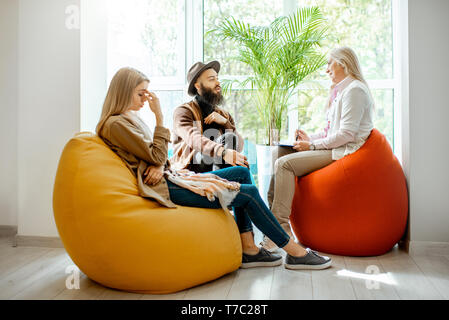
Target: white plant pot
264, 169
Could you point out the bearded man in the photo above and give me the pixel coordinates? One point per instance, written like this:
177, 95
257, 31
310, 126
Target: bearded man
204, 135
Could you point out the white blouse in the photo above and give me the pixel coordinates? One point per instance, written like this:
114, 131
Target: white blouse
350, 120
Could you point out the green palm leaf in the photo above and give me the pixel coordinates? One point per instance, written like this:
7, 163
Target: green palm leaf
281, 57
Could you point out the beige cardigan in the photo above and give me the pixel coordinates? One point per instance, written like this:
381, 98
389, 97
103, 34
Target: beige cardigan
130, 138
350, 119
123, 134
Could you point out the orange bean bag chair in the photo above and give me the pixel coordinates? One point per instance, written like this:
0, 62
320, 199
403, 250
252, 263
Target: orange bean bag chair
126, 242
357, 206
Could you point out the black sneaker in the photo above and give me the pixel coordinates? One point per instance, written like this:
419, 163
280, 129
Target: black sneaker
311, 261
263, 259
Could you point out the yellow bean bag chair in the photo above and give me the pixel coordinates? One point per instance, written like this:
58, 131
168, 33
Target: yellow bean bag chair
126, 242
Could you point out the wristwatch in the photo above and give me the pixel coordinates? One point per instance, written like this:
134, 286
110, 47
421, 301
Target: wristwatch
312, 146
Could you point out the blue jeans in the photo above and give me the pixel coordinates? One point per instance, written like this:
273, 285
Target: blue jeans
248, 205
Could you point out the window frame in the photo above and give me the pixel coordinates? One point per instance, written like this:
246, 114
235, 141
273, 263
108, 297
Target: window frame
94, 68
193, 44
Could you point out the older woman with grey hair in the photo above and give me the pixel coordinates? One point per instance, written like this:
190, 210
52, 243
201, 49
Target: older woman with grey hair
349, 123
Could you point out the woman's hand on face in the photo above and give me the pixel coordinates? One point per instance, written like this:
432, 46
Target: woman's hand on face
301, 146
153, 175
153, 101
155, 107
302, 136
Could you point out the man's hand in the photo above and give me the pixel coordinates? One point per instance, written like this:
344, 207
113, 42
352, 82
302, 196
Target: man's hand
235, 158
153, 175
301, 146
217, 118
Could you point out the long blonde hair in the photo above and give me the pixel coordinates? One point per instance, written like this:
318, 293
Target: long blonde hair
120, 94
347, 58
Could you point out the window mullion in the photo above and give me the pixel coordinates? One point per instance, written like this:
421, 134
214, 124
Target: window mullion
290, 7
194, 33
400, 63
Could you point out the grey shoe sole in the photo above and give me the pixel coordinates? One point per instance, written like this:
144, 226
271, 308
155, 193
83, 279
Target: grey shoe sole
258, 264
308, 266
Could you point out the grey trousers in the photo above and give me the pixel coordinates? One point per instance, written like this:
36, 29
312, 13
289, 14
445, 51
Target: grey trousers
289, 164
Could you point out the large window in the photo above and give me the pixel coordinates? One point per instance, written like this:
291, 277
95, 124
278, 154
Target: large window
164, 38
254, 12
149, 35
364, 25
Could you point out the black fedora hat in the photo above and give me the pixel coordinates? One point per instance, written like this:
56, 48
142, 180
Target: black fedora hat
196, 70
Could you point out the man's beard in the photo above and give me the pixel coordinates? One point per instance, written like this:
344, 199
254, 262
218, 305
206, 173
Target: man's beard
209, 96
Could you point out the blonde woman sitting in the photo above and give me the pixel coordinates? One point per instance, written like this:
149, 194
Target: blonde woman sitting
349, 124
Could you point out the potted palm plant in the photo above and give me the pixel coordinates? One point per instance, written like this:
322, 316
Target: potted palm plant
280, 56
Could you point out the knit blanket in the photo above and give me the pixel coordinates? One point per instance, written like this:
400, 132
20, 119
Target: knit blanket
206, 185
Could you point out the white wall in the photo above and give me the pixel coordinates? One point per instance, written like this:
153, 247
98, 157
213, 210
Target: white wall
429, 118
8, 107
49, 107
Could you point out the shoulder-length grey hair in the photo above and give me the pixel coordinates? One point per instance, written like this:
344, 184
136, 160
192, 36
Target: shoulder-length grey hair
347, 58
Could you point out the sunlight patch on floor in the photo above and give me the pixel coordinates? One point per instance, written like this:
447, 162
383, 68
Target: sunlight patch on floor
372, 277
